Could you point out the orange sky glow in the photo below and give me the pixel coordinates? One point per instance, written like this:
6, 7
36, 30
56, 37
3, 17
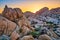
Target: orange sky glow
32, 6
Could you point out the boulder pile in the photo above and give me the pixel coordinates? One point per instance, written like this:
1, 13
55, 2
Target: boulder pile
14, 25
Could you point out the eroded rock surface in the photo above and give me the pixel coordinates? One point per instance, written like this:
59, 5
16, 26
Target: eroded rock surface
29, 37
17, 16
12, 14
6, 26
44, 37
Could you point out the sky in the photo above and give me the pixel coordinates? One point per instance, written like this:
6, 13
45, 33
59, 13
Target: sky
29, 5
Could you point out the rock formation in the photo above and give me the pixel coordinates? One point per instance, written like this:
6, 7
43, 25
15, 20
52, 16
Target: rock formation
12, 14
15, 25
16, 15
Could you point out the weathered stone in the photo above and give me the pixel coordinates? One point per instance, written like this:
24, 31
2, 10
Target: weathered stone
24, 22
53, 34
44, 37
14, 36
25, 30
57, 31
6, 26
12, 14
29, 37
17, 16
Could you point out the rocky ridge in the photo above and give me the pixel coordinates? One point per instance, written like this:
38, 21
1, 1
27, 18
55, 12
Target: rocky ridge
14, 25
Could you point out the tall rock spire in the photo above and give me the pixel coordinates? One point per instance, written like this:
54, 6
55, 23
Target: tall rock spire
6, 6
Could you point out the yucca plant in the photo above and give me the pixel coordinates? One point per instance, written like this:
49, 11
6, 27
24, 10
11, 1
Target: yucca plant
35, 34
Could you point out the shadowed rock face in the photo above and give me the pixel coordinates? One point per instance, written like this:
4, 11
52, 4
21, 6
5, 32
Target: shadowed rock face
55, 10
12, 14
42, 10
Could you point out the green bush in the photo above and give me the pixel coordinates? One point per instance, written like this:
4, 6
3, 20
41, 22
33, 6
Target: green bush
35, 33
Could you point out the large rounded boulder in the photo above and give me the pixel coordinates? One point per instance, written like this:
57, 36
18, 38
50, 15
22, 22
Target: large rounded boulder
29, 37
44, 37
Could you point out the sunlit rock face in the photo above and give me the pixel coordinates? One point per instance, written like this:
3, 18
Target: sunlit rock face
12, 14
14, 36
29, 37
6, 26
24, 23
16, 15
44, 37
